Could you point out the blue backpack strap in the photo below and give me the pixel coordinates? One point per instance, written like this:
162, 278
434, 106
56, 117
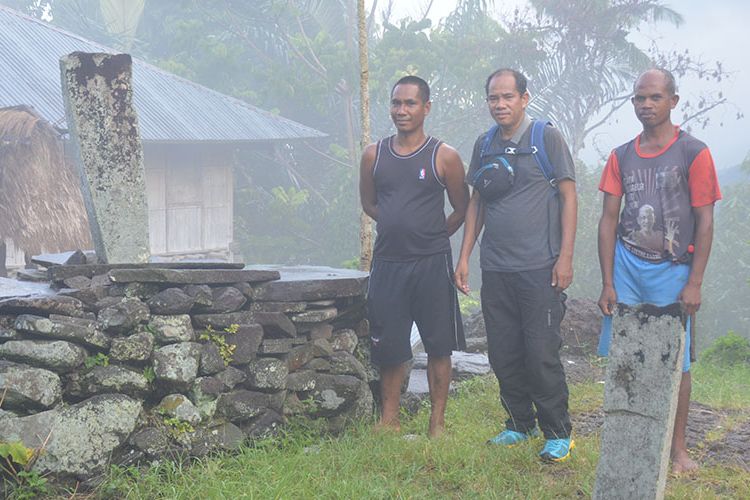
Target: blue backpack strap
540, 153
488, 139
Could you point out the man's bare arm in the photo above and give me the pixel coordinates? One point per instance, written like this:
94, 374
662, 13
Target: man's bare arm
690, 297
607, 236
367, 195
562, 272
451, 170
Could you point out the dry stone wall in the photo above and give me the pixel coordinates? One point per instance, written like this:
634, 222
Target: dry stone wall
135, 362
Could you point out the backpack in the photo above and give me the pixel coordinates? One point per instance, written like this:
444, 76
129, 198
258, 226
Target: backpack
495, 177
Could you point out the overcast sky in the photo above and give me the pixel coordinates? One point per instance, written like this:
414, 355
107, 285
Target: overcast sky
716, 30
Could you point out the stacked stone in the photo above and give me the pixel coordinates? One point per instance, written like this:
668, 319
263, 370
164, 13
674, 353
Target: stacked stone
184, 358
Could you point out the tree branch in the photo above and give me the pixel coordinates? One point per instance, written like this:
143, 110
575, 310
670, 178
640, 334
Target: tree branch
703, 111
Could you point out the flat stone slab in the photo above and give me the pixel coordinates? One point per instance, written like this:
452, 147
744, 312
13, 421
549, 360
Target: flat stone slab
276, 324
191, 276
15, 288
44, 305
77, 330
74, 257
640, 399
60, 273
310, 283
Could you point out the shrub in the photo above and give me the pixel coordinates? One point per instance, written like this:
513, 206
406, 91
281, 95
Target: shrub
730, 349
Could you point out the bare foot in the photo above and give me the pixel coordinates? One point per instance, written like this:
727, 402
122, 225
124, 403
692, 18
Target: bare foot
387, 427
436, 429
682, 463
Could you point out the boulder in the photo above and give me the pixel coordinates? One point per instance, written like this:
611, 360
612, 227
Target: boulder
275, 325
110, 379
242, 405
124, 315
267, 374
201, 294
264, 425
231, 377
56, 355
172, 329
344, 363
222, 437
180, 407
7, 328
315, 315
176, 365
154, 442
303, 380
344, 340
77, 330
43, 305
333, 394
225, 300
79, 438
211, 360
136, 348
29, 388
321, 331
171, 301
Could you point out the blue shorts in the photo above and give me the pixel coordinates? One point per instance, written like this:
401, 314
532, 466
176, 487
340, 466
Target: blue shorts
639, 281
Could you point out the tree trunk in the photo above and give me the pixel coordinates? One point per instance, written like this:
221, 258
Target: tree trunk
365, 226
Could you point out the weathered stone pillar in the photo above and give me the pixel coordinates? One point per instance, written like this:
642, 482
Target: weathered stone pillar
640, 400
103, 128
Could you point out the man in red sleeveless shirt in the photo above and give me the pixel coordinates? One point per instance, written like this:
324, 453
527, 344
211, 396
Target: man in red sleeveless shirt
657, 249
403, 181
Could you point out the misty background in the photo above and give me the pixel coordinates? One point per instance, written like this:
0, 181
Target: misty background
299, 59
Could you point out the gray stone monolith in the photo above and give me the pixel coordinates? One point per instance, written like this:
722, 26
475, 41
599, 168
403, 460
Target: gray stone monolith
103, 127
640, 400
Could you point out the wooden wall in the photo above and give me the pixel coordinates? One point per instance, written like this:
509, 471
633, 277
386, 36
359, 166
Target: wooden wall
190, 198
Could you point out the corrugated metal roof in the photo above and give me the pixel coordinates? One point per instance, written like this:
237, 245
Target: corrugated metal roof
169, 108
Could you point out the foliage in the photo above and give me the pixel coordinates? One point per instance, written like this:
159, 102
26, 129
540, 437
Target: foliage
219, 338
149, 374
728, 350
177, 427
25, 484
360, 463
100, 359
468, 304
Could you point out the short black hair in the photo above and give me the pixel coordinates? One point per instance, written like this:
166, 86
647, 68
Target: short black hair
521, 81
668, 76
424, 88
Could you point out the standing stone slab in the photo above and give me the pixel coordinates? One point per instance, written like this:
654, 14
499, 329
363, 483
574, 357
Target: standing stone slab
640, 400
103, 125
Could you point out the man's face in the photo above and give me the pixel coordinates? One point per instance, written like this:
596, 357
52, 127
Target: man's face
646, 218
652, 102
408, 111
507, 106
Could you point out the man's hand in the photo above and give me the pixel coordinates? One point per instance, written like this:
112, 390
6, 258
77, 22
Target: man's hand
690, 298
562, 274
608, 300
461, 277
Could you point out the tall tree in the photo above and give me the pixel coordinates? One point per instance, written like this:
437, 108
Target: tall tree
365, 231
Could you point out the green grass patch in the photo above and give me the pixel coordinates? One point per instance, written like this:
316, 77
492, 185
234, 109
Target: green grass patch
365, 464
721, 386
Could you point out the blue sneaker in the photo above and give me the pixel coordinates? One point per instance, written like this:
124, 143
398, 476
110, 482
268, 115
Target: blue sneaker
512, 438
557, 450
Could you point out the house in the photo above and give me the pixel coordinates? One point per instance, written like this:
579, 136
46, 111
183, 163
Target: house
190, 135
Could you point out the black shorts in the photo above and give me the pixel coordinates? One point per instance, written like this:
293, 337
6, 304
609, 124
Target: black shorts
419, 291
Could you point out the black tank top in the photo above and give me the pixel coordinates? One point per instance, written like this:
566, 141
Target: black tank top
410, 202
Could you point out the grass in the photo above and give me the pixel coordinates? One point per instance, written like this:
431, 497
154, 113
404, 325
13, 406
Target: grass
364, 464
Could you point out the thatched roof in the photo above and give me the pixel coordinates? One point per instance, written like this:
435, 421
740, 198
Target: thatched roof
41, 208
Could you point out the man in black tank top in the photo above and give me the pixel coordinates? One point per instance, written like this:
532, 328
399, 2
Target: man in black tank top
402, 183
